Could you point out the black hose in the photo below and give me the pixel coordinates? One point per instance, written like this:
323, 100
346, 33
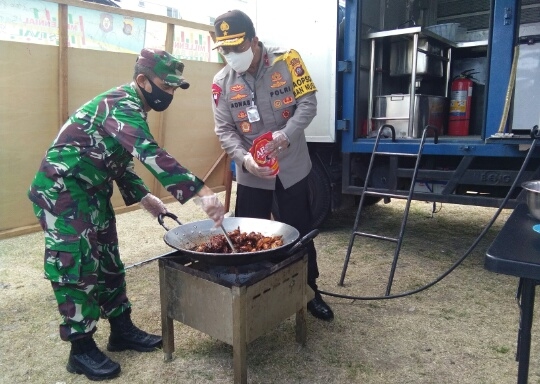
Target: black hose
462, 258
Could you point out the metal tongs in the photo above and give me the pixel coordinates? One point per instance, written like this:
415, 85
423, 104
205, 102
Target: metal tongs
197, 201
228, 239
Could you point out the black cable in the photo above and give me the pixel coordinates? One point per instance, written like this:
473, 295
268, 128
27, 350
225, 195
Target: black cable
462, 258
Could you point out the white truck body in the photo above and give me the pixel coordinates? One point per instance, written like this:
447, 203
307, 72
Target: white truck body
310, 28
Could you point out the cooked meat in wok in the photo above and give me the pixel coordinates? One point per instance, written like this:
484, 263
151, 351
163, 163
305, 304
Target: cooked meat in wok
243, 242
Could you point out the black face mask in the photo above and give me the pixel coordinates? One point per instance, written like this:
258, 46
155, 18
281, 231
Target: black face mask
158, 99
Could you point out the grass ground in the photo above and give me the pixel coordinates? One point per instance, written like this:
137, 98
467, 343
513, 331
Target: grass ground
461, 330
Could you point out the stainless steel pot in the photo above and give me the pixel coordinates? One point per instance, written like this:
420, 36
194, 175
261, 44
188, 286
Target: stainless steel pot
394, 110
186, 237
533, 197
401, 57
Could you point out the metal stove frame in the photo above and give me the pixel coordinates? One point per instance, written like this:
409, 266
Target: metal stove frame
233, 313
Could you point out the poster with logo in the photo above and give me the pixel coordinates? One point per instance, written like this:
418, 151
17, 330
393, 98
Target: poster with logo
105, 31
36, 21
193, 44
188, 44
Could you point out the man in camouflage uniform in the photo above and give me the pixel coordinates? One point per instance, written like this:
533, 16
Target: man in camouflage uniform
71, 195
267, 89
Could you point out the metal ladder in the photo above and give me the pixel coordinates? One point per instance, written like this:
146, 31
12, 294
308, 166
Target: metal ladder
366, 191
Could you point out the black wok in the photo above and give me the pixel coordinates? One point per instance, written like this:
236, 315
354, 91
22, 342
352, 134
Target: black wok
187, 237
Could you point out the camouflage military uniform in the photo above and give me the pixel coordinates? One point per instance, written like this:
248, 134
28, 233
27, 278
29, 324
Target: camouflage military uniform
71, 194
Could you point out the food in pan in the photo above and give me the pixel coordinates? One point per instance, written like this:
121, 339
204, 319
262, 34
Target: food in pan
243, 242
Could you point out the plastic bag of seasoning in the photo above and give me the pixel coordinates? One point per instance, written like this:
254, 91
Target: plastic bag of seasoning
259, 154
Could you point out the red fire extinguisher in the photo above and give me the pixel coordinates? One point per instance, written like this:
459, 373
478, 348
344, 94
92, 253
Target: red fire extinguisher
460, 104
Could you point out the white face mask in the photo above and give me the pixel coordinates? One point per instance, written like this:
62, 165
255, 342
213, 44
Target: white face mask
240, 62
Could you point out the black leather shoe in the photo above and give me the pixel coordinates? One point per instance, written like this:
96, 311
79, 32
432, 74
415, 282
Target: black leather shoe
320, 309
125, 335
85, 358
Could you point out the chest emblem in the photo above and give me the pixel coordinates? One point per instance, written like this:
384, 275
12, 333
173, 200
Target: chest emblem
240, 96
286, 114
237, 88
245, 127
287, 100
278, 104
242, 115
277, 80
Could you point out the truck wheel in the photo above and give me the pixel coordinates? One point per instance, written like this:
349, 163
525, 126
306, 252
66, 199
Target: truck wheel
379, 179
320, 194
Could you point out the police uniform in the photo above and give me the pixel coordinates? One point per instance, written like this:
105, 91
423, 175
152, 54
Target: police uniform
283, 103
284, 94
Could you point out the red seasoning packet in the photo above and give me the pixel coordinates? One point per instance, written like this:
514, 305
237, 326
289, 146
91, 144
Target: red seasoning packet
259, 154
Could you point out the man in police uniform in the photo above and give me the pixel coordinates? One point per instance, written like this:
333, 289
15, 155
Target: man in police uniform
71, 197
266, 89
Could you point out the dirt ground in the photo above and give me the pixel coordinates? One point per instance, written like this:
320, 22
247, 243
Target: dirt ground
461, 330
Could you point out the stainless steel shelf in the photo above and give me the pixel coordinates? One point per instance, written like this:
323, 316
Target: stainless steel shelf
409, 32
414, 34
442, 42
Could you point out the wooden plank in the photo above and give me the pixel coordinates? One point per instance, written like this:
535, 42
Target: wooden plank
156, 187
141, 15
228, 184
63, 67
28, 124
216, 163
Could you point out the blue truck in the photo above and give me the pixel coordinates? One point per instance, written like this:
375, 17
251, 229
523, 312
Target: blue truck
379, 63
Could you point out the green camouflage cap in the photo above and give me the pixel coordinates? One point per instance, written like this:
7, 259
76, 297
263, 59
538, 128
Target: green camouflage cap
167, 67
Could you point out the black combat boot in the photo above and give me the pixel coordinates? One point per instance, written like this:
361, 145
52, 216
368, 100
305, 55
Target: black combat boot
317, 307
125, 335
86, 358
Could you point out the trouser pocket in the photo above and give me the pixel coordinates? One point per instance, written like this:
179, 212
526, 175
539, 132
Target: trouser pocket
63, 261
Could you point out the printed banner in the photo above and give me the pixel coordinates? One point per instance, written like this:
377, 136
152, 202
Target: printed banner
36, 21
105, 31
29, 21
193, 44
188, 44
